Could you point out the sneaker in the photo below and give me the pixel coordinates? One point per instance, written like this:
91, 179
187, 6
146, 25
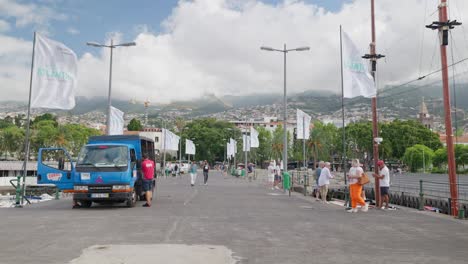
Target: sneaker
383, 208
365, 208
352, 210
146, 205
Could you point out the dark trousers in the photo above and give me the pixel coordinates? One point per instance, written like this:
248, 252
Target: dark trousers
205, 175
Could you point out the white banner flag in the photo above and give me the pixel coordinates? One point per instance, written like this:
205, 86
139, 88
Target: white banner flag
116, 122
189, 147
302, 121
246, 142
171, 140
233, 146
254, 143
357, 80
54, 75
228, 150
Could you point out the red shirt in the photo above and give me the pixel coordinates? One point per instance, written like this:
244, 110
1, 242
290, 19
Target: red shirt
147, 167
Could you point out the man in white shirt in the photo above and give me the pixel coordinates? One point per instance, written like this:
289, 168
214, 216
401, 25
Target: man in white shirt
271, 176
324, 181
384, 179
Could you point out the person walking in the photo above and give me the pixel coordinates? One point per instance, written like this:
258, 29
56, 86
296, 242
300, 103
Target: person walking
277, 175
206, 169
318, 171
355, 172
271, 176
193, 173
324, 181
147, 168
384, 179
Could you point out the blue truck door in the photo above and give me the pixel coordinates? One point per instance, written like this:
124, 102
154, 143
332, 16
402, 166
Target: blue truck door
54, 166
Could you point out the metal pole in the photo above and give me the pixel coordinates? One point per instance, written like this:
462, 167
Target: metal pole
26, 141
110, 90
245, 150
164, 155
285, 140
375, 129
343, 117
424, 163
448, 116
304, 153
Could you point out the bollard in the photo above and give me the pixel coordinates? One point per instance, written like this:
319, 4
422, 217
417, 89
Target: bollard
461, 213
306, 183
449, 206
421, 196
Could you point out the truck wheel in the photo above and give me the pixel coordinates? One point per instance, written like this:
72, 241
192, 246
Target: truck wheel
132, 200
86, 204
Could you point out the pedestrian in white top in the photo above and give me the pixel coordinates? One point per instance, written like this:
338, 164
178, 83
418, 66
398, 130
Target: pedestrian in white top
355, 172
384, 180
271, 176
324, 181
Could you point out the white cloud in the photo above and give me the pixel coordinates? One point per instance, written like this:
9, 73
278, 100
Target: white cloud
73, 31
29, 14
4, 26
213, 46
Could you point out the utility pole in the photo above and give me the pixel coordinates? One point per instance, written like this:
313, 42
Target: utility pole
443, 26
373, 57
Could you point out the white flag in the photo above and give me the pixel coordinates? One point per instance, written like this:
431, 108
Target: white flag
254, 143
228, 150
54, 75
233, 145
189, 147
171, 140
116, 122
303, 125
246, 142
175, 141
357, 80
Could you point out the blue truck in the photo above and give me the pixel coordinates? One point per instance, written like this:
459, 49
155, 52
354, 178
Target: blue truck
108, 169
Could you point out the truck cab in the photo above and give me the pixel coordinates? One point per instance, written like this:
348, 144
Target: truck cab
107, 170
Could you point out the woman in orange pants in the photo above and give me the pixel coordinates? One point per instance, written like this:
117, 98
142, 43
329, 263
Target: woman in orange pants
355, 188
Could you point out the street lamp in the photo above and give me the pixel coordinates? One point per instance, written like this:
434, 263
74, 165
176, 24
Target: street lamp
285, 140
111, 46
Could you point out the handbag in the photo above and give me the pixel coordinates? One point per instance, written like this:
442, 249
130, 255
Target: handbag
364, 179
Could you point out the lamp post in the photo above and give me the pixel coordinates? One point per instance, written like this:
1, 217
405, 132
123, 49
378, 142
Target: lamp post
111, 46
285, 117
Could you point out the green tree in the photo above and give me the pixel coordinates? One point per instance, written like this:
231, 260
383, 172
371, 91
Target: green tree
404, 134
12, 141
7, 122
263, 152
135, 125
45, 117
418, 156
209, 136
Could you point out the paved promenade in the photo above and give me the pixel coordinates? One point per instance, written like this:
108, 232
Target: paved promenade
228, 221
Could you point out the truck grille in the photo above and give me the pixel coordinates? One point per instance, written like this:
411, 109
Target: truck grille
100, 188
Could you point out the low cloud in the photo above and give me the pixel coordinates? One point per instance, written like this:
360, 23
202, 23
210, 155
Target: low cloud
213, 47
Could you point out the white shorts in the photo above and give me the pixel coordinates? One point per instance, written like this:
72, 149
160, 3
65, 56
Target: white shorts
271, 178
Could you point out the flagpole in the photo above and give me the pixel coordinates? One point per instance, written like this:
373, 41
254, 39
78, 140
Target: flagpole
303, 142
22, 189
347, 200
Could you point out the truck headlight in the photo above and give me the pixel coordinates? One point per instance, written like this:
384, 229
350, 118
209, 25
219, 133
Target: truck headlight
80, 188
120, 187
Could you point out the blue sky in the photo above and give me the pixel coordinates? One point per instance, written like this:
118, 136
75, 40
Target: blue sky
91, 20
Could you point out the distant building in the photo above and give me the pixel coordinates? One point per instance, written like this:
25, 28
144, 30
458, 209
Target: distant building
424, 117
461, 140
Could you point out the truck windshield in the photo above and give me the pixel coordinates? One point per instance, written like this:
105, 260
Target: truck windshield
103, 156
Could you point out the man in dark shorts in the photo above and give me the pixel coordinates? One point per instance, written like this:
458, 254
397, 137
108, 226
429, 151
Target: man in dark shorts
147, 168
384, 179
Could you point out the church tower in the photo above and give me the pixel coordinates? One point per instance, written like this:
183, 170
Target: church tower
424, 117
